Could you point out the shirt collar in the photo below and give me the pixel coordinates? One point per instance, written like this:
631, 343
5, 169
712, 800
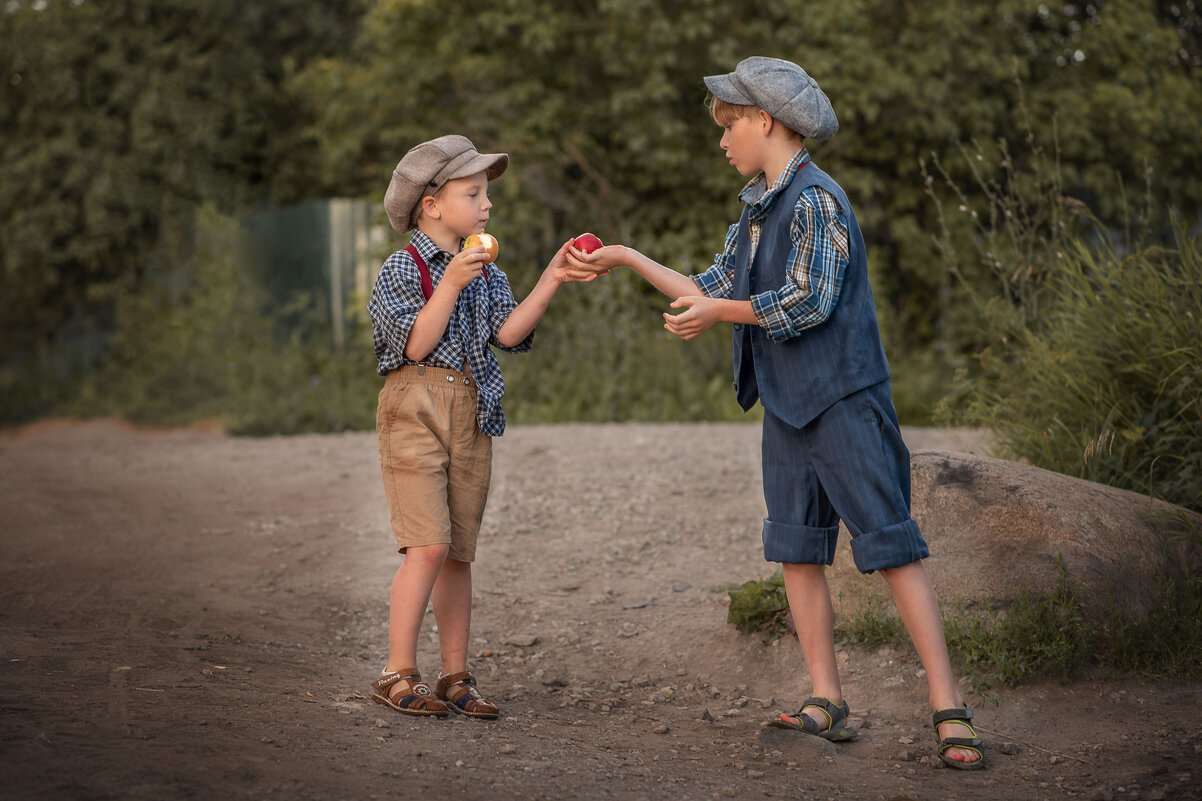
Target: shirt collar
425, 246
759, 197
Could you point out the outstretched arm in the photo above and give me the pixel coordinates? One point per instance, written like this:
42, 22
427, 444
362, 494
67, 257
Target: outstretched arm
602, 260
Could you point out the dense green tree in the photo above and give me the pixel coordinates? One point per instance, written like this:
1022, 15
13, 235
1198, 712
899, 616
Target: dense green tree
117, 119
600, 104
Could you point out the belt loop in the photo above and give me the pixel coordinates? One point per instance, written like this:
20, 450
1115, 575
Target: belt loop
421, 369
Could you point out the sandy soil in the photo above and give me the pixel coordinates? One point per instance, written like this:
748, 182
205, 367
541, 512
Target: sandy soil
189, 615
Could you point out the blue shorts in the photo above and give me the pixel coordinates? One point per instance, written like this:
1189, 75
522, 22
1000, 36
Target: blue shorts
849, 463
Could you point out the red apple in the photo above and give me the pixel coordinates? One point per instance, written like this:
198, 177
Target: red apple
587, 243
489, 242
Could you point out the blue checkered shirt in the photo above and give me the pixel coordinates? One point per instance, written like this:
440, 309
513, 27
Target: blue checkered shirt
482, 308
816, 262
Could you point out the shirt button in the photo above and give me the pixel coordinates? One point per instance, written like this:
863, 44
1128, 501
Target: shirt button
450, 378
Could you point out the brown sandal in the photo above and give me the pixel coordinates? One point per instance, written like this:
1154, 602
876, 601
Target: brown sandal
460, 693
416, 697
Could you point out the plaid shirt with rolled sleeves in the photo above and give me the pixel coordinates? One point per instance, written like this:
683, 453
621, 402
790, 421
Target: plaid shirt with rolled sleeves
816, 263
481, 309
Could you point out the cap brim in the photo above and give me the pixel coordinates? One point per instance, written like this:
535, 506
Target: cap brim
723, 88
491, 164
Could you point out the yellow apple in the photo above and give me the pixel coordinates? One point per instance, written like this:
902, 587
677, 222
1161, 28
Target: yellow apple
487, 241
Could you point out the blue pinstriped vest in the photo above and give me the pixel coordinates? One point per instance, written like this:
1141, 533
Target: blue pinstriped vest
798, 378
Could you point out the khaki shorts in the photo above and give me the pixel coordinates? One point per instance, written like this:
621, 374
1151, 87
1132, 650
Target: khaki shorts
435, 461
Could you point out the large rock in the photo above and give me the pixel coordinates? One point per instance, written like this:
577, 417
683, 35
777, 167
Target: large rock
996, 528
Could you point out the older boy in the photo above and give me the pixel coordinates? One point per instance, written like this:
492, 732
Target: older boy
793, 280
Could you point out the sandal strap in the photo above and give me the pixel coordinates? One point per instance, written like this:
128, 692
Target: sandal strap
416, 694
960, 715
457, 678
390, 678
835, 714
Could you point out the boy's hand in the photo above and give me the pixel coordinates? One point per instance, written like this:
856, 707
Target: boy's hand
600, 261
564, 271
465, 267
700, 314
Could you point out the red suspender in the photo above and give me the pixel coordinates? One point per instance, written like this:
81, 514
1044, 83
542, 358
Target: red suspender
427, 284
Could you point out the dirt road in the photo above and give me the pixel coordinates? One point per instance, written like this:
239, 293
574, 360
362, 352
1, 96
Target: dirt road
189, 615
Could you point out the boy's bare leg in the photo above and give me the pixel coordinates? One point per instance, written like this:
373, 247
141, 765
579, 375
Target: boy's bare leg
453, 612
915, 599
411, 588
814, 617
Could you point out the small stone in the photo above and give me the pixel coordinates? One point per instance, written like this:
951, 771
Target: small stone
706, 716
1009, 749
522, 640
380, 724
660, 729
508, 748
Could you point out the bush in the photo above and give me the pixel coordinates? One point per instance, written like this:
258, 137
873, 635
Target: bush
1106, 383
759, 607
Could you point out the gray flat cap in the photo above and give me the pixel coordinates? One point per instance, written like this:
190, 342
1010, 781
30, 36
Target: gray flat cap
780, 88
426, 167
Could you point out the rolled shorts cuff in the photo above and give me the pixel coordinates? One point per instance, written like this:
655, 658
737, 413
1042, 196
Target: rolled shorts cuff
892, 546
799, 545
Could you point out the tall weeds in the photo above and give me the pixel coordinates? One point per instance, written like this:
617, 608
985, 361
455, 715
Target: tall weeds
1088, 359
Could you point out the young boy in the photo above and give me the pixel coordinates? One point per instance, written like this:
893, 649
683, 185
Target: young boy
436, 308
793, 280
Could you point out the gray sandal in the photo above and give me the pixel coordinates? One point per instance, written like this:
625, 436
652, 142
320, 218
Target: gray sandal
836, 731
961, 716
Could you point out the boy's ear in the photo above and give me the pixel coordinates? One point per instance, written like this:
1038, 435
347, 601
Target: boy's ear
430, 207
765, 120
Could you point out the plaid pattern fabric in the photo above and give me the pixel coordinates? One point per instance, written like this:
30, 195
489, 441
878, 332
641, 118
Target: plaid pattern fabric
816, 262
482, 308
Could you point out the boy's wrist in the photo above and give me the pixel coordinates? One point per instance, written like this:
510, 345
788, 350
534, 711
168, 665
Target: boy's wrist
627, 259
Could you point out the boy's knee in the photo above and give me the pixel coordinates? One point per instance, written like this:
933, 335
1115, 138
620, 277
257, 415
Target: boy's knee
429, 555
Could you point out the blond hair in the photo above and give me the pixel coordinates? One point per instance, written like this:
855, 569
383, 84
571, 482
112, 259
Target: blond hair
725, 113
